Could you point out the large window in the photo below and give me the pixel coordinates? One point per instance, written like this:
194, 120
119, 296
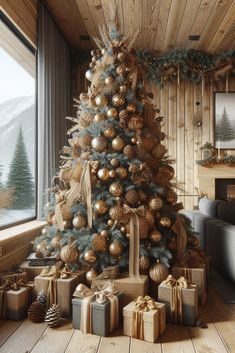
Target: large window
17, 127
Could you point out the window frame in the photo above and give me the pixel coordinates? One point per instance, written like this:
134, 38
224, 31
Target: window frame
20, 36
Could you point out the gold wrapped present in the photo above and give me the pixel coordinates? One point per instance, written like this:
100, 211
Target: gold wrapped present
144, 319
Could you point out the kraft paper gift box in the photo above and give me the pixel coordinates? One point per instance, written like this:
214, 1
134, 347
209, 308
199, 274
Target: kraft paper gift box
194, 275
32, 271
154, 322
189, 300
130, 287
64, 291
16, 302
13, 277
99, 315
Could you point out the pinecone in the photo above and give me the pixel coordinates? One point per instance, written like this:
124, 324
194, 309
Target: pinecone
42, 297
36, 312
53, 316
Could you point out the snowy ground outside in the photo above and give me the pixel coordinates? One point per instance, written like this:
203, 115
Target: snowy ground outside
11, 216
227, 144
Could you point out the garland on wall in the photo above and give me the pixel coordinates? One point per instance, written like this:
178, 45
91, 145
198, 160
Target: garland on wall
213, 161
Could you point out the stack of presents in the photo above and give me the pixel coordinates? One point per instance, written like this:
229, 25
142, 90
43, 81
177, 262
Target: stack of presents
109, 300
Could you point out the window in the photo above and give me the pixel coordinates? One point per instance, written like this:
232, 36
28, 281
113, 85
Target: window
17, 127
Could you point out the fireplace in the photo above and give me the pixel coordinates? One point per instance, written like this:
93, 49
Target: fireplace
225, 188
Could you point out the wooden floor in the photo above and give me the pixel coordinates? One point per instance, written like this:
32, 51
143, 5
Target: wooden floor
219, 337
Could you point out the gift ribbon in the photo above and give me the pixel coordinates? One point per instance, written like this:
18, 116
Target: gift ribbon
134, 238
100, 296
179, 230
142, 305
176, 304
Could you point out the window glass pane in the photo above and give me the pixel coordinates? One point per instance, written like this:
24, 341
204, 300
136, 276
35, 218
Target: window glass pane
17, 129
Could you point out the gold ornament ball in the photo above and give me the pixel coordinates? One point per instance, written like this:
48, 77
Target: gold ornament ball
155, 236
56, 241
118, 144
121, 69
118, 100
91, 275
99, 143
131, 108
115, 248
129, 152
134, 140
109, 80
158, 272
112, 113
79, 221
91, 65
69, 254
115, 213
104, 233
116, 189
114, 162
101, 207
123, 229
101, 101
99, 117
110, 132
123, 114
123, 89
89, 75
67, 223
122, 172
110, 223
93, 53
89, 256
149, 216
132, 197
121, 56
112, 173
155, 203
98, 242
165, 222
171, 197
103, 174
144, 263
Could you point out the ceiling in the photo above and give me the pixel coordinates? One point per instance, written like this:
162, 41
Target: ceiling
163, 24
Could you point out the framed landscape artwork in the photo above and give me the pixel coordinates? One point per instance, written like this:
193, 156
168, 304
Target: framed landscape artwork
224, 120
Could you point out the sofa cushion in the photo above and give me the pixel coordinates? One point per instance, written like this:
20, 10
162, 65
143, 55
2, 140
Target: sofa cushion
208, 207
226, 211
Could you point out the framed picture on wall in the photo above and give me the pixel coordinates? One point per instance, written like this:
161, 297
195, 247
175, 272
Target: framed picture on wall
224, 113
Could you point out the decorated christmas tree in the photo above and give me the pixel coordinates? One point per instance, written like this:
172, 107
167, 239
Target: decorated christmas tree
115, 198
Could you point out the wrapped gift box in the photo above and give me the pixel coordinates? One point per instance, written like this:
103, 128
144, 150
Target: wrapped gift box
154, 321
32, 271
189, 303
130, 287
45, 261
195, 275
64, 289
100, 315
13, 276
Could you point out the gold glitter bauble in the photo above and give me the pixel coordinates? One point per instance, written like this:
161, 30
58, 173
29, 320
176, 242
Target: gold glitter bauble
104, 233
116, 212
123, 229
79, 221
99, 143
109, 80
122, 172
155, 236
110, 132
101, 207
115, 248
112, 113
129, 152
134, 140
99, 117
121, 56
155, 203
144, 263
149, 216
123, 89
101, 101
118, 144
91, 275
98, 242
158, 272
90, 256
121, 69
114, 162
112, 173
69, 254
131, 108
165, 222
116, 189
103, 174
89, 75
110, 223
118, 100
132, 197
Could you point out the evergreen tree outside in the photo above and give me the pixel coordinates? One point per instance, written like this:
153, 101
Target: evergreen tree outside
1, 183
20, 177
224, 130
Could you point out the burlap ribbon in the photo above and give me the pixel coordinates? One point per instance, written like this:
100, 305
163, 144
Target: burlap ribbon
176, 305
142, 305
100, 296
179, 230
134, 238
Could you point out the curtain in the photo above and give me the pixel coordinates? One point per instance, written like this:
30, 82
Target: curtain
53, 60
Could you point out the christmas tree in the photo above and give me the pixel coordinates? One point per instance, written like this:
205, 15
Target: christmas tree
224, 130
20, 177
115, 198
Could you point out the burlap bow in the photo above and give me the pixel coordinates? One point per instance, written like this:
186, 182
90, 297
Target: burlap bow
134, 238
176, 305
143, 304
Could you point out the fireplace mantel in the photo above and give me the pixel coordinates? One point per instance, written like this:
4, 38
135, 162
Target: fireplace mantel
207, 176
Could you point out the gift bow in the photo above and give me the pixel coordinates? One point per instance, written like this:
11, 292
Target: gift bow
176, 304
105, 293
82, 291
143, 304
134, 238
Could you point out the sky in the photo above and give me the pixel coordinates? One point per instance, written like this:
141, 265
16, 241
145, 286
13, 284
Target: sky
225, 100
14, 80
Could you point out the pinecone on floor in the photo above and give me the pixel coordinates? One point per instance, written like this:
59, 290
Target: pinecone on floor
42, 297
37, 312
53, 316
